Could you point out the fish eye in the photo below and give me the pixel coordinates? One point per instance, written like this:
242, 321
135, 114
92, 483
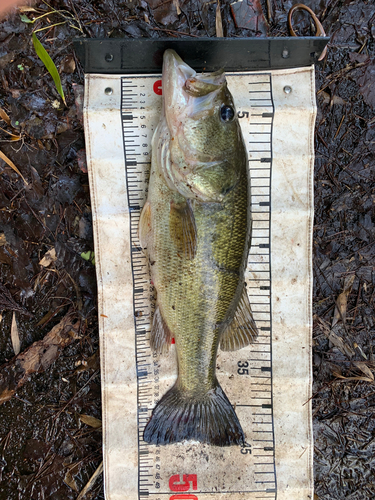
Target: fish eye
226, 113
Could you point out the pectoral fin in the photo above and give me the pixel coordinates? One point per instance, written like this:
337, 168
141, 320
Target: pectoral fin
182, 229
242, 331
161, 335
144, 228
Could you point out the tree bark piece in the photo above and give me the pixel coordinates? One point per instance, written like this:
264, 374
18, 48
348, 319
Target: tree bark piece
38, 357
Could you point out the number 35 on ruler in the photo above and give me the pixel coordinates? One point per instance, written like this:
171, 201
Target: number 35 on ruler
188, 480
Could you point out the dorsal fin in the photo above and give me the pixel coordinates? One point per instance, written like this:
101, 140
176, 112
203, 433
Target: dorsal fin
242, 331
183, 229
161, 335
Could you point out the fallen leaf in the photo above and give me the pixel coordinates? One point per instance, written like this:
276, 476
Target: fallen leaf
342, 301
4, 116
14, 335
3, 240
356, 346
91, 421
48, 258
26, 8
12, 165
361, 365
219, 21
349, 379
70, 481
249, 14
341, 345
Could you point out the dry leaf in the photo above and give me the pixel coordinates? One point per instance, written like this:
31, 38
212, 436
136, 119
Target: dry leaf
13, 137
4, 116
342, 301
91, 482
70, 481
48, 258
219, 22
12, 165
356, 346
91, 421
364, 369
341, 345
16, 343
3, 240
350, 379
26, 8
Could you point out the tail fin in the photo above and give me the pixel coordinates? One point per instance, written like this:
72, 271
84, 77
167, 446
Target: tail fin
178, 417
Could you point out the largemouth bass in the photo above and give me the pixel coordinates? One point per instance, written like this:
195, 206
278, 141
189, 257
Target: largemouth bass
195, 229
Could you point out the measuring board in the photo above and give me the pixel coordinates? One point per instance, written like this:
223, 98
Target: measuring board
246, 375
268, 382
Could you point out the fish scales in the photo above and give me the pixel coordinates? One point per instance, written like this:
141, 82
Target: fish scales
195, 229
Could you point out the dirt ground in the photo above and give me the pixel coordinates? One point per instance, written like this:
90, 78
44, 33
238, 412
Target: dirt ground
50, 435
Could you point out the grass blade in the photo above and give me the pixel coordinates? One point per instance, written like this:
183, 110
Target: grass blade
9, 162
49, 64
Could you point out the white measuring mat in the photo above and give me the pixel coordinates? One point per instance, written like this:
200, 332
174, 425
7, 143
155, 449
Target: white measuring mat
268, 382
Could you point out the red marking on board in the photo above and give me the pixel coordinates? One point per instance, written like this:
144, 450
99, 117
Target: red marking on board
178, 484
173, 341
189, 496
157, 87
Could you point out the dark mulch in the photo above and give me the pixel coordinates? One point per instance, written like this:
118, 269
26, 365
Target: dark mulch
47, 449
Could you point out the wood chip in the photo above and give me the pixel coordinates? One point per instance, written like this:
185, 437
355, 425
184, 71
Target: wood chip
176, 3
91, 482
219, 22
48, 258
14, 335
12, 165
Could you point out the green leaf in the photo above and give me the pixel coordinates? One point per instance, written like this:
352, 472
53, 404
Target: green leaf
49, 64
89, 256
25, 19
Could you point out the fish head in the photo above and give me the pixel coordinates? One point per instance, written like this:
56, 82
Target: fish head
206, 149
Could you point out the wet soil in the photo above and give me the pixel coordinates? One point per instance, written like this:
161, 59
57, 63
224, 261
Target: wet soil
48, 446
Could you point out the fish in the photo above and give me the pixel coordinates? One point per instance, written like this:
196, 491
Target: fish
195, 229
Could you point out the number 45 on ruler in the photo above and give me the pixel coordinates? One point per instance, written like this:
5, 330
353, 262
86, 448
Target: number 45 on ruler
175, 484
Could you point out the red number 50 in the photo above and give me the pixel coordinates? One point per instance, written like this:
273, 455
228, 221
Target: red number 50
175, 484
183, 497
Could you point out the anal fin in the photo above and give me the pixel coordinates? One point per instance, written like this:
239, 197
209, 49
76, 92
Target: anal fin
161, 335
183, 229
242, 330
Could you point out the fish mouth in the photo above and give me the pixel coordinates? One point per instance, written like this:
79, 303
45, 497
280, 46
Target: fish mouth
175, 73
187, 94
